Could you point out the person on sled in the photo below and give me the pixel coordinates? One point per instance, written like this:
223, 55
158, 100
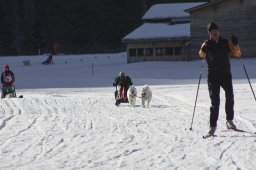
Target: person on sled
7, 79
49, 60
123, 82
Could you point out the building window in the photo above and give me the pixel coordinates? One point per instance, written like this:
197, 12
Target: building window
140, 52
177, 51
168, 51
132, 52
149, 51
159, 51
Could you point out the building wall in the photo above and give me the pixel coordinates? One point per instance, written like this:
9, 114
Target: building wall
232, 16
160, 51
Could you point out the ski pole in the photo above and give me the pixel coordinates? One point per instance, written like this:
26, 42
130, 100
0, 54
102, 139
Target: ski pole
249, 81
197, 93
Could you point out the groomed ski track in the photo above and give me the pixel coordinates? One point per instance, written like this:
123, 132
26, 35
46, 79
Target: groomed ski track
83, 129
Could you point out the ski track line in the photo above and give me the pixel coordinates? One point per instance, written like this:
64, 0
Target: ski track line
4, 121
249, 125
7, 111
115, 128
223, 114
46, 112
132, 133
146, 122
44, 133
62, 126
174, 105
78, 135
43, 111
225, 150
192, 141
124, 123
229, 155
144, 117
154, 119
47, 108
10, 109
89, 127
27, 127
153, 129
99, 117
102, 135
143, 124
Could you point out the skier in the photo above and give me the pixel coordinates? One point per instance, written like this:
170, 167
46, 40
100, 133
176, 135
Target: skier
49, 60
54, 51
7, 79
216, 50
123, 82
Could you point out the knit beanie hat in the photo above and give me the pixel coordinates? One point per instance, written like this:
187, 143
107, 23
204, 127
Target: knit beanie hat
212, 26
6, 66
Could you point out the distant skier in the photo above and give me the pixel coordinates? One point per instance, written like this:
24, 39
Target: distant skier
49, 60
216, 50
7, 79
54, 51
123, 82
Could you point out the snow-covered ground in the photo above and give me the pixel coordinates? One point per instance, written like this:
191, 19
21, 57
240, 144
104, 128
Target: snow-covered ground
68, 120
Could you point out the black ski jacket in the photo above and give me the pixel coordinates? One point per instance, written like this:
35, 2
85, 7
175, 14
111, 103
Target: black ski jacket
125, 82
217, 56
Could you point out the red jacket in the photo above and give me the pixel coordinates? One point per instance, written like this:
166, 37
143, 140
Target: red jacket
7, 78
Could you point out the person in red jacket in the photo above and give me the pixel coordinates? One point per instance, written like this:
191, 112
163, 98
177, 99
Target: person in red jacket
7, 79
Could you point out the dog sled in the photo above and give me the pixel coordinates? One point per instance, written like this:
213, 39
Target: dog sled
121, 95
9, 92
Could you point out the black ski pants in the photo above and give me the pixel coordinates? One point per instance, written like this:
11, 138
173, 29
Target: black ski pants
214, 84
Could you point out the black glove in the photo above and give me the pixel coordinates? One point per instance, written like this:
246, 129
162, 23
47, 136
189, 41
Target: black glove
204, 46
114, 83
234, 40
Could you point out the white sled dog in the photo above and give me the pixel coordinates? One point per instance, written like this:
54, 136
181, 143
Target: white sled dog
132, 94
146, 96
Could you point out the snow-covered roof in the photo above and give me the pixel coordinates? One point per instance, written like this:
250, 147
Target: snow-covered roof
203, 5
157, 31
171, 10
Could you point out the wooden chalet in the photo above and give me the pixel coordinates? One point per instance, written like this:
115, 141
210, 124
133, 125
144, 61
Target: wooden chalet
232, 16
164, 36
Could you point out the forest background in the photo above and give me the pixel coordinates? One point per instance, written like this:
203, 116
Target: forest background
30, 27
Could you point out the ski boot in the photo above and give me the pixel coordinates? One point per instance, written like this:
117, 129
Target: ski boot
230, 124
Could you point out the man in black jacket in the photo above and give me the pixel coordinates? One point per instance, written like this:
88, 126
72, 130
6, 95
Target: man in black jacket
123, 82
216, 50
